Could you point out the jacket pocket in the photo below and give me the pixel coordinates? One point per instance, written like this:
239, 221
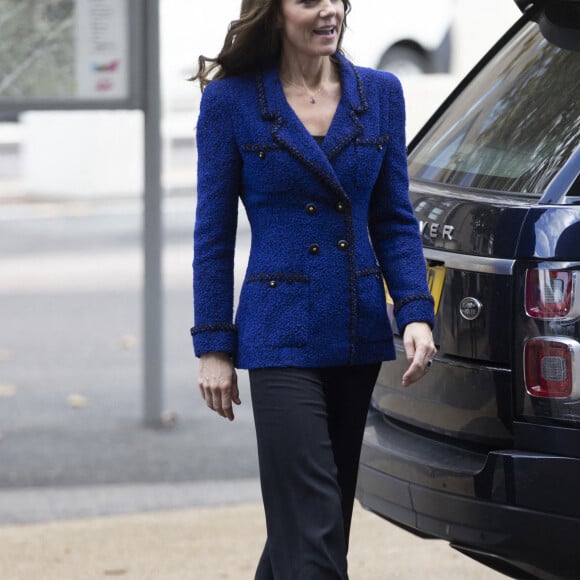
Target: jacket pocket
372, 321
274, 310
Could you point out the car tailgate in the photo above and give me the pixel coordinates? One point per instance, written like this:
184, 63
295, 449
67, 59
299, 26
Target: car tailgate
469, 244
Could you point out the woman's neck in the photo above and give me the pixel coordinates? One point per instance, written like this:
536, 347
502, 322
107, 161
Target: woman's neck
309, 72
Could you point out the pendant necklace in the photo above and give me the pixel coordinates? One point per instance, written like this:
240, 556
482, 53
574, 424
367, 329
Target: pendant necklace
311, 94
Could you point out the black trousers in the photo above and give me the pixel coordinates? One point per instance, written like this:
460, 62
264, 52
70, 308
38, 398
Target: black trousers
309, 427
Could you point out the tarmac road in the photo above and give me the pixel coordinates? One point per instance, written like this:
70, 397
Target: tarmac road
70, 355
70, 305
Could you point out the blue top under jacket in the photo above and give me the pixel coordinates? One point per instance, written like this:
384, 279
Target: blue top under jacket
328, 223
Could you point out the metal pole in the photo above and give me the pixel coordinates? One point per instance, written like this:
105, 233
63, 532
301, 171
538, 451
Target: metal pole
152, 224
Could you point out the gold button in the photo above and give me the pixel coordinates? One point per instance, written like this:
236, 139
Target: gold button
311, 208
262, 154
314, 249
273, 283
340, 206
342, 245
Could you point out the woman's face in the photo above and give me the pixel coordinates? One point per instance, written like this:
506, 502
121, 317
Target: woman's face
311, 27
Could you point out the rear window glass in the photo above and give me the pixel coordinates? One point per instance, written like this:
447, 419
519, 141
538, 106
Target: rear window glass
513, 127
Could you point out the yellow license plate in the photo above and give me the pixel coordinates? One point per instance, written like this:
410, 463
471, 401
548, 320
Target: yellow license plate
435, 281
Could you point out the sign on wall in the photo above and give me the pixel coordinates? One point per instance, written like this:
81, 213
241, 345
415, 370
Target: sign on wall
102, 50
68, 53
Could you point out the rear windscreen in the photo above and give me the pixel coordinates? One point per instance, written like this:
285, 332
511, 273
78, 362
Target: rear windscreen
513, 127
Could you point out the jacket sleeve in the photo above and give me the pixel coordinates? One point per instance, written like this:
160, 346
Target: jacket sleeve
393, 228
218, 184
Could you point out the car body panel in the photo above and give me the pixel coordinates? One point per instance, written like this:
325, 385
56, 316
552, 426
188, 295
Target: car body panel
492, 509
457, 399
468, 454
551, 233
452, 221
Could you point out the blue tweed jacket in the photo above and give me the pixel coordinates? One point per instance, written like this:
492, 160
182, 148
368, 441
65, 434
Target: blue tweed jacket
328, 223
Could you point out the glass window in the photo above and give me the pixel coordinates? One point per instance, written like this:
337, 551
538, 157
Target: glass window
513, 127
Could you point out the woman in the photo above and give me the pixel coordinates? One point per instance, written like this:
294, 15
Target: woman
315, 149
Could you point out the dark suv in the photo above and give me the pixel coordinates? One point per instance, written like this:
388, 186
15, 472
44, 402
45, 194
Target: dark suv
485, 450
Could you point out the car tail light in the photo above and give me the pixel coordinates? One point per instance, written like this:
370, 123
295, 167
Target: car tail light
550, 294
552, 368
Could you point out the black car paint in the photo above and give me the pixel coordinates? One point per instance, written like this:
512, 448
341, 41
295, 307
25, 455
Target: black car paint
480, 501
459, 398
461, 458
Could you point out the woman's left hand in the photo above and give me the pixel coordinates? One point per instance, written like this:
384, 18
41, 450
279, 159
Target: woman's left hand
420, 350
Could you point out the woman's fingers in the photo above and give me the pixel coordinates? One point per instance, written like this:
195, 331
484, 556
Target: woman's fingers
420, 350
218, 396
235, 390
218, 384
416, 370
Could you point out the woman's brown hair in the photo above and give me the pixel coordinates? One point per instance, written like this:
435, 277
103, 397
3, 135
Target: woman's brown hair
251, 41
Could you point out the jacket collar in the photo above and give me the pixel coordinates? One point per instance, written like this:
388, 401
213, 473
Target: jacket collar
288, 131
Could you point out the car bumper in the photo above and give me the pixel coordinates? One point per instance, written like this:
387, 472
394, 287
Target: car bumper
490, 504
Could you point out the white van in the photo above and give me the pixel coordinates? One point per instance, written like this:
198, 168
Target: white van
403, 37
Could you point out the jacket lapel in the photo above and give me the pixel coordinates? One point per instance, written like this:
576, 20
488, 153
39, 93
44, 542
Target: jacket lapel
289, 133
346, 125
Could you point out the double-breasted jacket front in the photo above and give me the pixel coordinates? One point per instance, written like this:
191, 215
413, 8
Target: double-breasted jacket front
328, 222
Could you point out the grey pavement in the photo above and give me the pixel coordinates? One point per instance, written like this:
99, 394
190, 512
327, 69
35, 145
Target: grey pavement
71, 370
47, 504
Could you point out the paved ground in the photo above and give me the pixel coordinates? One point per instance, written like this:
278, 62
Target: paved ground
217, 543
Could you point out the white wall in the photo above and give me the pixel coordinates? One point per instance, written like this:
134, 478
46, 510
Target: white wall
82, 153
190, 28
477, 26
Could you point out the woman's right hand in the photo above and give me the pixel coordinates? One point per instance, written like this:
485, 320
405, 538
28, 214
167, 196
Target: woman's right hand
218, 383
